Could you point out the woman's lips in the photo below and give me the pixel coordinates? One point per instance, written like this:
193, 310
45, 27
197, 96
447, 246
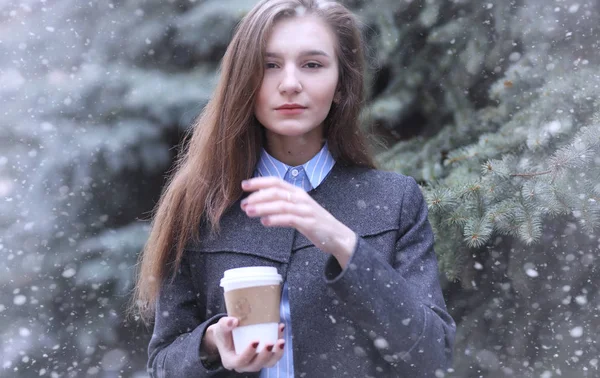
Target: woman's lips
290, 111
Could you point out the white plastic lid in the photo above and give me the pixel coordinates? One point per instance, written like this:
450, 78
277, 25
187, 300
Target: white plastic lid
251, 276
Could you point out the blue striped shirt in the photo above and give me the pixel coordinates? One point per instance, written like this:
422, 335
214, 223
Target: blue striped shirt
306, 176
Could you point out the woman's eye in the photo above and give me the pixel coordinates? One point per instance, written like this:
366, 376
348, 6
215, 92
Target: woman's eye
313, 65
271, 65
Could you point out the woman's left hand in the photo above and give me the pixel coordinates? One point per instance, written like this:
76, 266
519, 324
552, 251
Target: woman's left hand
280, 204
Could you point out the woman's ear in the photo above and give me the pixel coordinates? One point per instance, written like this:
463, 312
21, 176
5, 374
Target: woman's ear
337, 97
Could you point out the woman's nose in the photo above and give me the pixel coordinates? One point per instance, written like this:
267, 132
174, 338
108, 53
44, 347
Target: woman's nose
290, 81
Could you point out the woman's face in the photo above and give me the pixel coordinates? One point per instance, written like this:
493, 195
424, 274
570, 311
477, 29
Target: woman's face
300, 79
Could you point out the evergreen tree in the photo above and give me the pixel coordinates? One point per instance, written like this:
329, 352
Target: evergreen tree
511, 179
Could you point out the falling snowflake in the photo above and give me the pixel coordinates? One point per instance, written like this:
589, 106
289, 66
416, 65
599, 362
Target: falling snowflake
20, 300
532, 273
576, 332
381, 343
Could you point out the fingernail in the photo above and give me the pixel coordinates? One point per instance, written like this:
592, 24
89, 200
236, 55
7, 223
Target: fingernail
269, 348
282, 346
245, 183
230, 323
255, 344
244, 202
282, 328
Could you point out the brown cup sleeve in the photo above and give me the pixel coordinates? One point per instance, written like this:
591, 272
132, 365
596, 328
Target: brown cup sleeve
254, 305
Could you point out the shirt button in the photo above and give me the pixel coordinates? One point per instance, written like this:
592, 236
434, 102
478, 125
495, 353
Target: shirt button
294, 172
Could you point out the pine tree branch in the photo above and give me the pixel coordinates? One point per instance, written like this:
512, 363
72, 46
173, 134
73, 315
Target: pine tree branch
533, 174
457, 159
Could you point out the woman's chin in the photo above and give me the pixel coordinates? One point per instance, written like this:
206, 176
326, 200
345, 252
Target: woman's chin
293, 129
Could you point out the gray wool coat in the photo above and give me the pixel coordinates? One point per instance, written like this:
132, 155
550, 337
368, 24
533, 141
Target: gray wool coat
382, 316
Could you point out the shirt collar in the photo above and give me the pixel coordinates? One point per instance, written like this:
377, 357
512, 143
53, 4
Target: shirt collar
316, 168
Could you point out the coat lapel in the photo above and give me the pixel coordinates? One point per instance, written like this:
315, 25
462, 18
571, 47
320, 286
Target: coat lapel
242, 234
349, 195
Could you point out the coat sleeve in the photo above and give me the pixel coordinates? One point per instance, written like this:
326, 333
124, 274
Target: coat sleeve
399, 305
174, 349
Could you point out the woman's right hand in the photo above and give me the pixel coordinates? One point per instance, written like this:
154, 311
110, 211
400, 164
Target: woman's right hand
218, 337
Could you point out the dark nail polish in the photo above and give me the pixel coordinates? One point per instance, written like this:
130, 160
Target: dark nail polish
255, 345
270, 348
282, 346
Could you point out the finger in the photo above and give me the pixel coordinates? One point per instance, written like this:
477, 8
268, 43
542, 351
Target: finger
281, 330
287, 220
295, 195
242, 362
224, 340
276, 207
257, 183
263, 195
261, 359
224, 327
278, 351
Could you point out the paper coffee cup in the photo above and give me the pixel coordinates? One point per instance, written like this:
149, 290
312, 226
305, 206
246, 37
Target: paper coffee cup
253, 295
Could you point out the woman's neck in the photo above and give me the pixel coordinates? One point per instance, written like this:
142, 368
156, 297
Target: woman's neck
293, 150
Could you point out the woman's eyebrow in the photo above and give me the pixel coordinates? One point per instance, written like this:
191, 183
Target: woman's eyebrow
269, 54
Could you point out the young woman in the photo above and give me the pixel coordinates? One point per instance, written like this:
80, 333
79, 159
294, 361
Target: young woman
277, 173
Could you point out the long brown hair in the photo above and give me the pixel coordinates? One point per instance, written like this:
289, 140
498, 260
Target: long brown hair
226, 139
